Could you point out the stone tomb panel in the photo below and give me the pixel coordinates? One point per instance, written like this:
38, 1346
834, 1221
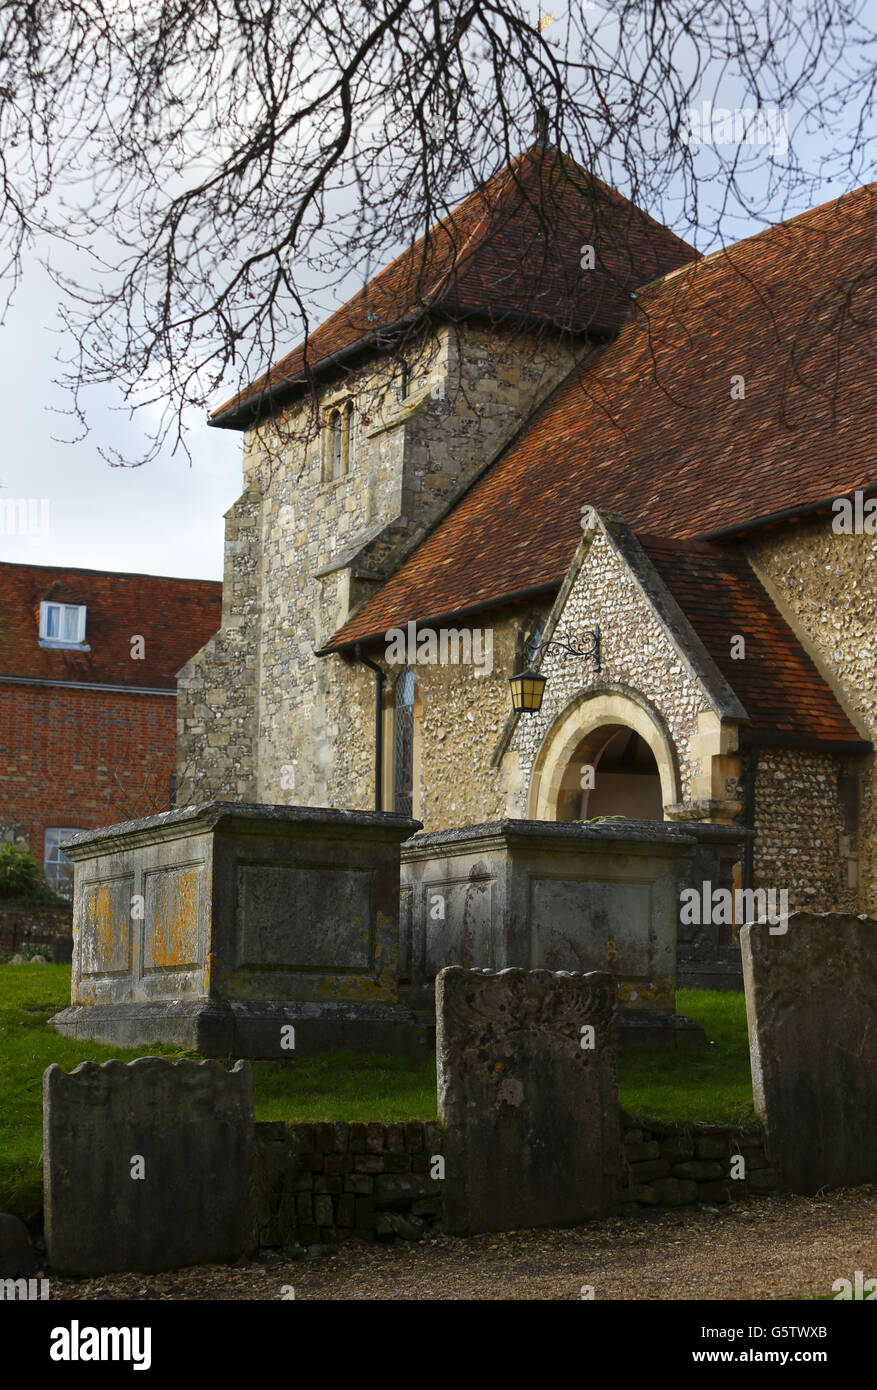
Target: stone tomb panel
305, 917
591, 925
105, 925
171, 918
459, 915
406, 929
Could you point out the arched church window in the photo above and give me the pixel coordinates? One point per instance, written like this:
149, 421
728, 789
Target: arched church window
403, 744
402, 381
337, 424
532, 647
338, 441
349, 435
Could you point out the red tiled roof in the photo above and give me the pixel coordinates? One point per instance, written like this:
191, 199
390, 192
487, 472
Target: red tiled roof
776, 681
174, 616
647, 427
492, 255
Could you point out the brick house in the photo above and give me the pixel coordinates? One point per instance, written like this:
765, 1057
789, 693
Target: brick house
88, 664
504, 441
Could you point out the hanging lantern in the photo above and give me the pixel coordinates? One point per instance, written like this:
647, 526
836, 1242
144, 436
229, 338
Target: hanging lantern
527, 688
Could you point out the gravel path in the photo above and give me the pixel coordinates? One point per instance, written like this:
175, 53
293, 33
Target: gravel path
762, 1248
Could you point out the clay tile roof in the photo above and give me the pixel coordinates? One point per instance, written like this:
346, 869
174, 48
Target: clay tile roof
780, 688
174, 616
647, 427
514, 246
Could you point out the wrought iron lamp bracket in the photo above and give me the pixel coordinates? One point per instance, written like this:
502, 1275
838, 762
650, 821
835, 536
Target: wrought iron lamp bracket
576, 644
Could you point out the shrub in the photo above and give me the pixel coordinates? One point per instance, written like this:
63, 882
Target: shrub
21, 877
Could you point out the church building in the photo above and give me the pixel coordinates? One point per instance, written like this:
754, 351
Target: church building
551, 438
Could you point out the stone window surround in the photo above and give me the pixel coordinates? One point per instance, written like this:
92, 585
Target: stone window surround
343, 409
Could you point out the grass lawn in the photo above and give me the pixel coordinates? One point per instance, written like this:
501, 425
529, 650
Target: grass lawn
712, 1083
342, 1086
29, 995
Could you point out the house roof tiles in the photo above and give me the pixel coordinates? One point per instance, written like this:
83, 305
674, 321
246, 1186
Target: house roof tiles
175, 617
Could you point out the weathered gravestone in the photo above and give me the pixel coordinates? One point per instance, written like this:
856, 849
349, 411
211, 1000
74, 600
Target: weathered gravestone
528, 1097
146, 1164
811, 1004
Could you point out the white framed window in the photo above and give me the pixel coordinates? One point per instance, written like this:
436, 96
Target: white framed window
62, 624
58, 868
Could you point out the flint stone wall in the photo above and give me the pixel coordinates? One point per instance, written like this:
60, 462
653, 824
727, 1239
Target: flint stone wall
530, 1114
192, 1125
811, 1004
217, 927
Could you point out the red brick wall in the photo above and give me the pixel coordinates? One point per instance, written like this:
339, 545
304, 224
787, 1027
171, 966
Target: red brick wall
83, 758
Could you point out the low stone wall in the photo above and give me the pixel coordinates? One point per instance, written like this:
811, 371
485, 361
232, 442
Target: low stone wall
325, 1183
322, 1183
279, 1184
672, 1165
25, 926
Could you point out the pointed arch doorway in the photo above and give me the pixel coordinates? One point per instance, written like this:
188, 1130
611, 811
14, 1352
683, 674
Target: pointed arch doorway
605, 755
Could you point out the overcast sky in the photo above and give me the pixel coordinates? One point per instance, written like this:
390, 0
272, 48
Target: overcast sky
162, 518
165, 517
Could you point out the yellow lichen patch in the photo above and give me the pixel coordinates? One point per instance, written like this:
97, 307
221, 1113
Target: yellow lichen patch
105, 926
354, 987
647, 992
172, 919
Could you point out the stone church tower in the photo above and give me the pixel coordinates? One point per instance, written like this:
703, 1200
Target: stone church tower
354, 448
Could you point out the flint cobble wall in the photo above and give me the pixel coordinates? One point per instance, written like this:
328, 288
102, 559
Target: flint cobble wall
635, 653
801, 844
826, 586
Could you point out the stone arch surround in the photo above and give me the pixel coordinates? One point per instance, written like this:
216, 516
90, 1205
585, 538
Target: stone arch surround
588, 712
